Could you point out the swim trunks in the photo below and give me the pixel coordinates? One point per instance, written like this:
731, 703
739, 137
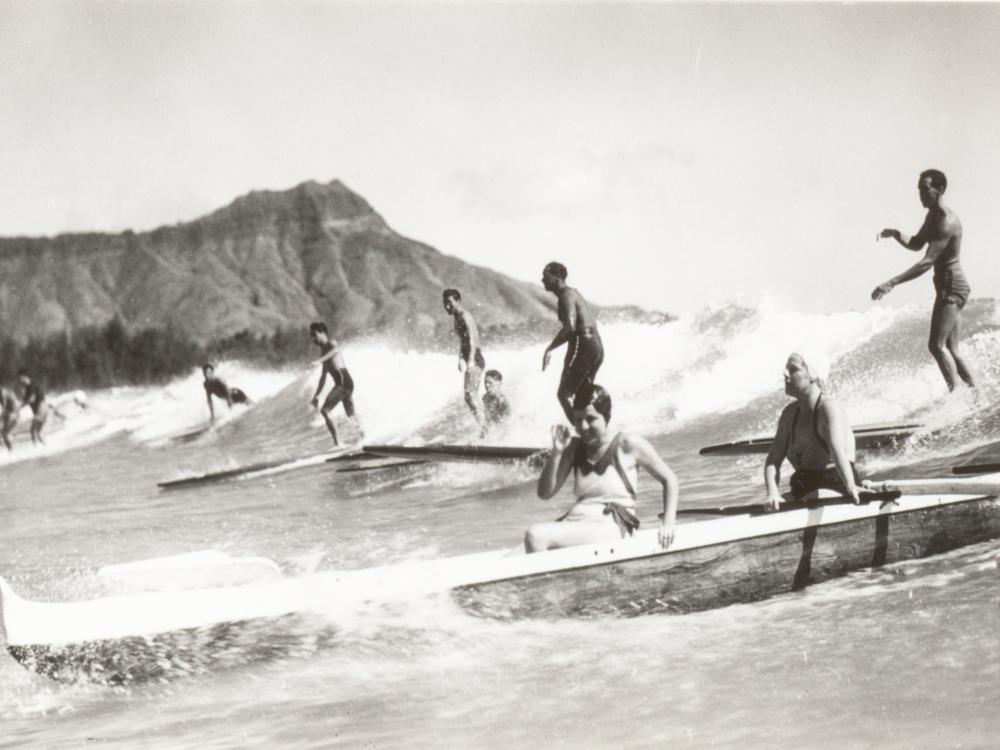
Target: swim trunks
804, 481
951, 286
584, 357
474, 374
343, 391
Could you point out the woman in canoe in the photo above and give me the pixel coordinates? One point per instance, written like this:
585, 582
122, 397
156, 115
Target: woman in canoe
605, 467
813, 434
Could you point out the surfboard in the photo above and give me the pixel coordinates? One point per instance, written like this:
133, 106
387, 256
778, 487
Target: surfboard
867, 437
263, 468
190, 435
440, 452
367, 466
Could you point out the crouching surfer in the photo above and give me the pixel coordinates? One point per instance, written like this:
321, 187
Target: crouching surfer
605, 467
332, 362
813, 434
215, 386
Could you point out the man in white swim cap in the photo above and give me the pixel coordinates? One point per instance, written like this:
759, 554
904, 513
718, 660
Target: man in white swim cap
813, 433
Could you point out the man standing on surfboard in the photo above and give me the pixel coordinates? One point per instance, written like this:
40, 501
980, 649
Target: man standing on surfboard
470, 356
942, 233
585, 352
34, 397
332, 362
9, 412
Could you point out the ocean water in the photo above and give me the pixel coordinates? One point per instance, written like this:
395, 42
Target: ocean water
907, 656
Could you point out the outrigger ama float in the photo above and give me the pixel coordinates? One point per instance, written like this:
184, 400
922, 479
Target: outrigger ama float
743, 556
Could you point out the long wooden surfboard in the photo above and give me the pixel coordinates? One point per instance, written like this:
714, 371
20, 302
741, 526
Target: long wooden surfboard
257, 469
867, 437
440, 452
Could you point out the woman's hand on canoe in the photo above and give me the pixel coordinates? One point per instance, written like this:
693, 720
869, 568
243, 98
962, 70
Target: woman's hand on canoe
666, 535
773, 502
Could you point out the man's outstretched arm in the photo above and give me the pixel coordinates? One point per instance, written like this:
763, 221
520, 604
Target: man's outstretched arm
913, 242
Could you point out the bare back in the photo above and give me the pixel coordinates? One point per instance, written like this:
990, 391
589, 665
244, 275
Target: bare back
574, 312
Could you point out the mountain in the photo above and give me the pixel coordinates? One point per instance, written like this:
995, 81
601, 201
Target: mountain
269, 261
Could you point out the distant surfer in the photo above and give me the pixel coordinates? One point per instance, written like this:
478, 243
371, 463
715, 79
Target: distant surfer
470, 356
585, 352
215, 386
495, 403
942, 233
34, 397
813, 433
332, 362
9, 409
605, 467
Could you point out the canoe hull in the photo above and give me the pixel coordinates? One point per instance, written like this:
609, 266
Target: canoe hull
714, 563
177, 653
741, 571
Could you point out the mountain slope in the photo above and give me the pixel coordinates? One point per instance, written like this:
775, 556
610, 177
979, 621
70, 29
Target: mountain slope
268, 261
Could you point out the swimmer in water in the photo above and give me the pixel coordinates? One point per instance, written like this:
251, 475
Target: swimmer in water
495, 403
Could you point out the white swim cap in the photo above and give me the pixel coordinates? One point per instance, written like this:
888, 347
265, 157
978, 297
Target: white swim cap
816, 360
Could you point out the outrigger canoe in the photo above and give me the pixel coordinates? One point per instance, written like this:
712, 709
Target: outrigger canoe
712, 563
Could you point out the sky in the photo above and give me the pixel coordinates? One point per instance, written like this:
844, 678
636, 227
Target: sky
670, 155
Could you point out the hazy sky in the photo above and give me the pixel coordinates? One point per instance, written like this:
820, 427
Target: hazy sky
669, 154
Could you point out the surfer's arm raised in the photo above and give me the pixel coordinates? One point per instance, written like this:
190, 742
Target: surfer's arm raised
914, 242
776, 456
647, 458
833, 426
558, 463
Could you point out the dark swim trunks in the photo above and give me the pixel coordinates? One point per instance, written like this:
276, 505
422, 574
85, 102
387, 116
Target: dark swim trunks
584, 357
804, 481
952, 287
343, 390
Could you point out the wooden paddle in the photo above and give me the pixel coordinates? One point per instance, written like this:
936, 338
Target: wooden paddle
867, 496
937, 487
976, 469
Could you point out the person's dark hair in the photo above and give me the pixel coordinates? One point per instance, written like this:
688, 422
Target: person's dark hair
938, 180
495, 374
450, 294
22, 374
596, 396
207, 366
318, 327
556, 269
